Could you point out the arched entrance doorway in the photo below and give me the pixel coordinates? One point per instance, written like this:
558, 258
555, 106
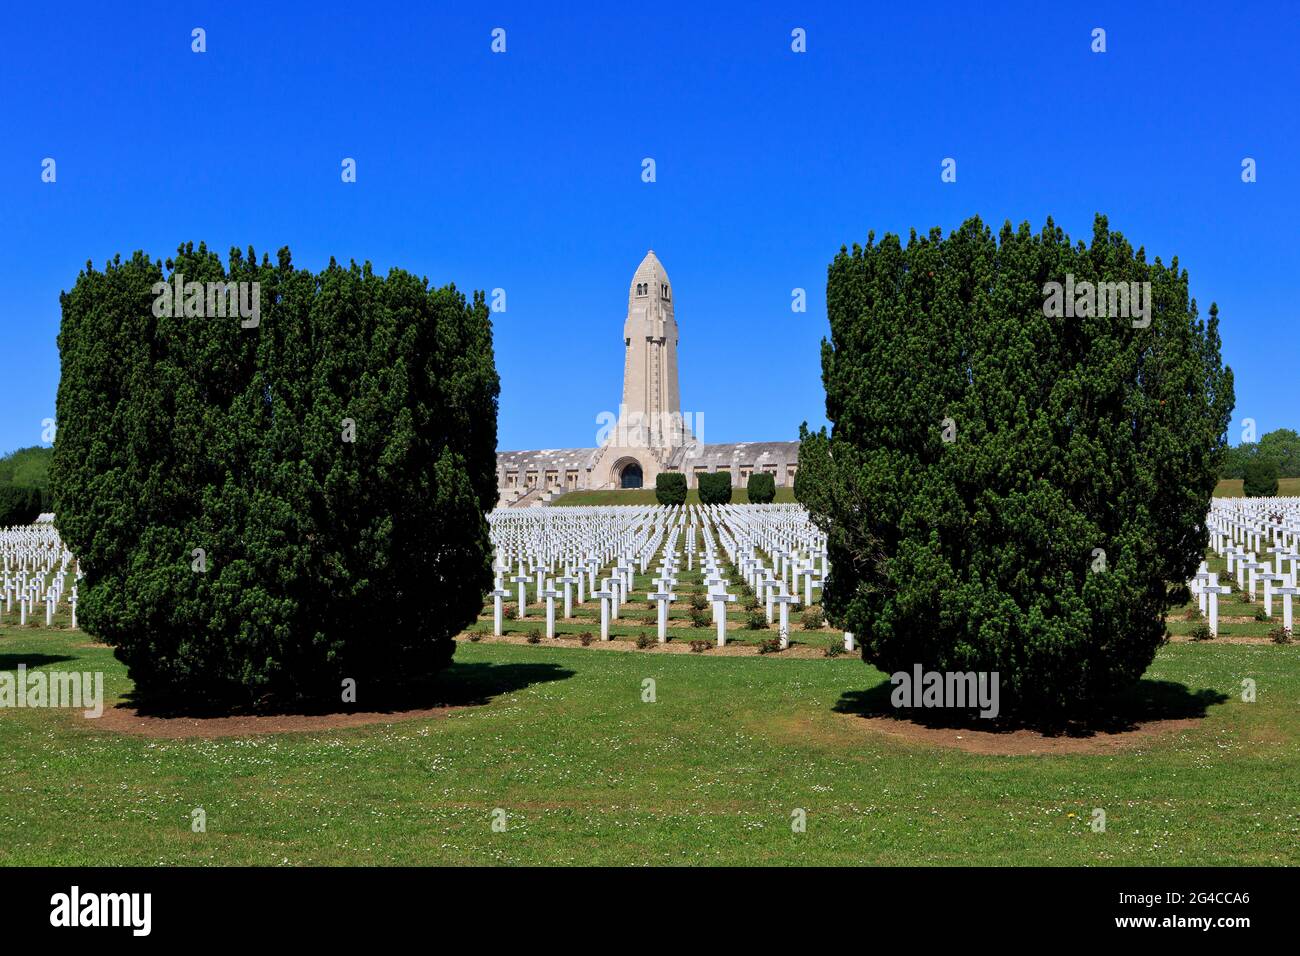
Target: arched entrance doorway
631, 476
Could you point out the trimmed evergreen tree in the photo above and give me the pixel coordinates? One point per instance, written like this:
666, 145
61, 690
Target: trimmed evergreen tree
715, 488
670, 488
761, 488
266, 512
1260, 477
1003, 490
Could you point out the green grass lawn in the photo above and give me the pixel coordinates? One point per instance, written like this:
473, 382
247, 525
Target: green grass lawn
710, 773
646, 496
1231, 488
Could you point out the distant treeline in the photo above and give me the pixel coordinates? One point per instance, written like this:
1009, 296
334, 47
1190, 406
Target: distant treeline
24, 485
1281, 446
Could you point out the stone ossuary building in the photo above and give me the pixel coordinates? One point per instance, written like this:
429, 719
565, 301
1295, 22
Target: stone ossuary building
649, 435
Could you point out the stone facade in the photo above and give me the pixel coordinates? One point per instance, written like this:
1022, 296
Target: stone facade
649, 435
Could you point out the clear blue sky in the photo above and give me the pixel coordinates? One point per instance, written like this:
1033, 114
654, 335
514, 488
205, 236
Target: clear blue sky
523, 170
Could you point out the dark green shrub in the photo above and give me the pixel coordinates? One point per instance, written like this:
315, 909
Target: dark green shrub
833, 650
757, 621
534, 636
1261, 477
334, 463
1200, 632
812, 619
715, 488
699, 617
761, 488
644, 640
984, 446
698, 601
769, 646
670, 488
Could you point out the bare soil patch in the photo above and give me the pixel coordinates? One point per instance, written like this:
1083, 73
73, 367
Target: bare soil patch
1023, 742
461, 686
1143, 715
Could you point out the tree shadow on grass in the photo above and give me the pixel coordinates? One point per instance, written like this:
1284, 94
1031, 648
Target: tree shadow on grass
460, 685
1146, 702
10, 662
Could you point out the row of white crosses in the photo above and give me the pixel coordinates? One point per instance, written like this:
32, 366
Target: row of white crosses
1259, 539
665, 581
600, 549
555, 549
582, 541
35, 568
711, 575
783, 531
797, 550
1207, 588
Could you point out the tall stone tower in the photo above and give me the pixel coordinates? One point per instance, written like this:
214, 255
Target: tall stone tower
650, 390
650, 424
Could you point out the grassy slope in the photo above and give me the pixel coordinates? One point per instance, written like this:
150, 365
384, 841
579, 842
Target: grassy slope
710, 773
27, 467
1231, 487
